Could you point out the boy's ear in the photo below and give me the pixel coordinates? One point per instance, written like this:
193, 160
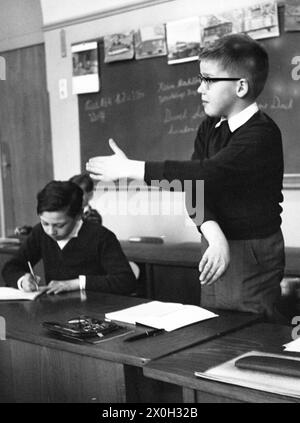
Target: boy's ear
242, 88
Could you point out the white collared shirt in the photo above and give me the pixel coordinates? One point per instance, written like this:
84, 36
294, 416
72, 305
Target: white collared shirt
74, 234
234, 122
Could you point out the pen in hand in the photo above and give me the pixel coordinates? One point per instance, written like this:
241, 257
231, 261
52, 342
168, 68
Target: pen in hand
146, 334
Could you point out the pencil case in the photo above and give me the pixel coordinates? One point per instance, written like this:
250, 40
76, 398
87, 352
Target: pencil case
81, 328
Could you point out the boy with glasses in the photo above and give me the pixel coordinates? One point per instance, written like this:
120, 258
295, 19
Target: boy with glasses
238, 154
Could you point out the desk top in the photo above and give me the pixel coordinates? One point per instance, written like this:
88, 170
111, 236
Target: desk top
24, 322
188, 254
184, 254
179, 368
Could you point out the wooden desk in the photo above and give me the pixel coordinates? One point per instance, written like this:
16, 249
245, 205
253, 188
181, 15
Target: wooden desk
292, 261
179, 368
169, 272
6, 252
35, 367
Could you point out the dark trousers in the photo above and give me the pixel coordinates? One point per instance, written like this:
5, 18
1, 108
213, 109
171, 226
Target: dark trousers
252, 281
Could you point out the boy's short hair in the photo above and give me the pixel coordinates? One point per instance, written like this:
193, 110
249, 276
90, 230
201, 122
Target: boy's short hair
243, 56
84, 180
60, 195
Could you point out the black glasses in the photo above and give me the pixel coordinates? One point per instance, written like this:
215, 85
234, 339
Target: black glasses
208, 80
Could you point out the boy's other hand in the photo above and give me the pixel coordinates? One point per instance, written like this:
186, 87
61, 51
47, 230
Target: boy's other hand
57, 287
214, 263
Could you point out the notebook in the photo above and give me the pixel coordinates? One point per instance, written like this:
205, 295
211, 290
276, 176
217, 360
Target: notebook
8, 294
162, 315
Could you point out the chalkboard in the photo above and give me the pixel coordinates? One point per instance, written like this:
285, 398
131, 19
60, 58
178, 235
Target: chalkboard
152, 109
281, 96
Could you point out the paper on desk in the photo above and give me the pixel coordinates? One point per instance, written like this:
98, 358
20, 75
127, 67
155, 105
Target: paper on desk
7, 293
293, 345
161, 315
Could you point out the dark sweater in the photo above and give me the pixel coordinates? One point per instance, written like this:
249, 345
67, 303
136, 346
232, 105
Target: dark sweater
95, 253
242, 176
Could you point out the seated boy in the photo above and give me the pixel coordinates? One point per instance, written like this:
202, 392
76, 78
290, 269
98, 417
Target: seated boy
76, 254
86, 183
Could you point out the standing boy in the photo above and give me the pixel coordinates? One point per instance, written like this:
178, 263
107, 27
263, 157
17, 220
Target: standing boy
238, 154
76, 254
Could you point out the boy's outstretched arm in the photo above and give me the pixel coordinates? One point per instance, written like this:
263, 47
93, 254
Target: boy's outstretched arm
116, 166
216, 258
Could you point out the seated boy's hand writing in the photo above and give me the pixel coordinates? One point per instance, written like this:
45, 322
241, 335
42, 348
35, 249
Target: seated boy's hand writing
29, 284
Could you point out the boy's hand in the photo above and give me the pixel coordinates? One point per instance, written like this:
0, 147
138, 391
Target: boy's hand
214, 262
111, 168
216, 258
29, 284
56, 287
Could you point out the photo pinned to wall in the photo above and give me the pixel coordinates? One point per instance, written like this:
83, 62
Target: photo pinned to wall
183, 40
292, 15
85, 68
150, 42
261, 20
118, 47
214, 27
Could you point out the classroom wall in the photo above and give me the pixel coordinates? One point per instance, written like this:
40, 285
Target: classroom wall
75, 19
20, 24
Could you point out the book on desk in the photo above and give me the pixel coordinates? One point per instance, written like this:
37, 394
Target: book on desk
161, 315
14, 294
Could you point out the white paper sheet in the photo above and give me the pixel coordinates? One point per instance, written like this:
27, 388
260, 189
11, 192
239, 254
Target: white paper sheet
161, 315
7, 293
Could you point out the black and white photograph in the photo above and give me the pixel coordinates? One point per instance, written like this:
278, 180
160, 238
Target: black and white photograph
150, 42
217, 26
85, 68
292, 16
261, 20
183, 40
118, 47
